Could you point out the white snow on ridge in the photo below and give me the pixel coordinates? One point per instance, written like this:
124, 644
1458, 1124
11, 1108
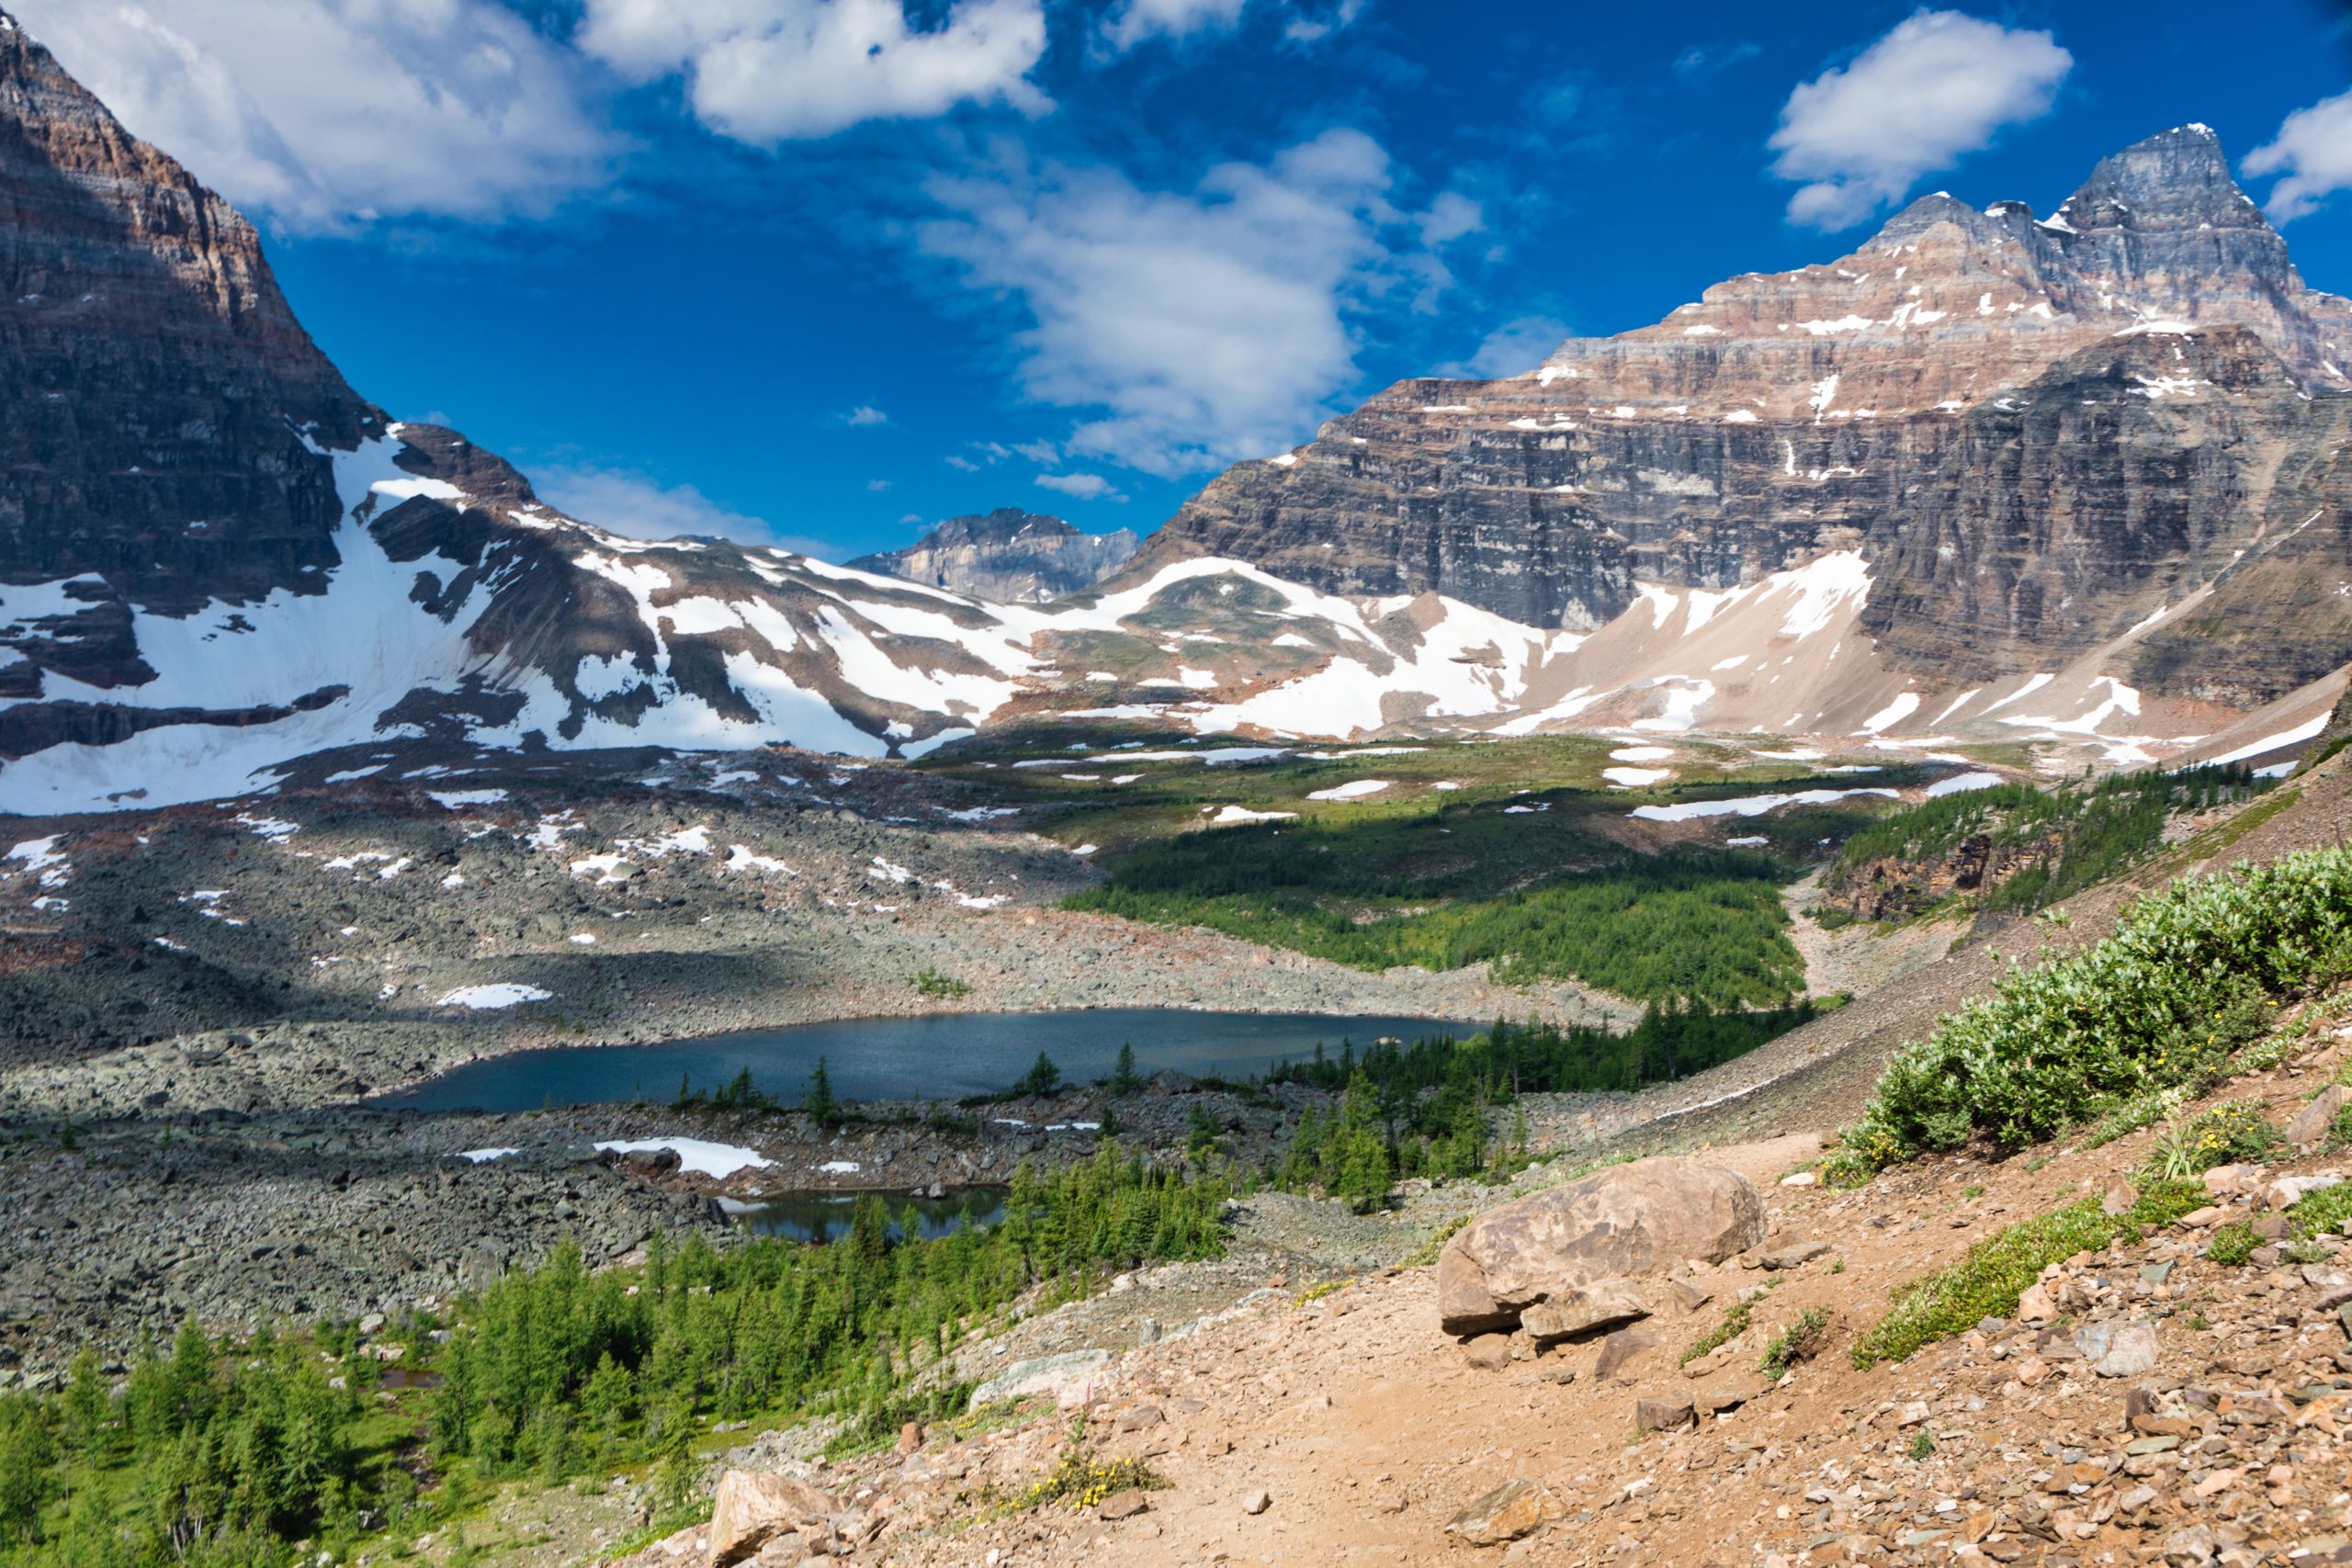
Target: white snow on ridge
490, 997
696, 1156
2295, 737
1354, 789
1749, 805
1960, 783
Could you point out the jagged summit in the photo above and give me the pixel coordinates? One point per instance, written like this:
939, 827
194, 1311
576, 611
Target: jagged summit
2176, 178
1783, 414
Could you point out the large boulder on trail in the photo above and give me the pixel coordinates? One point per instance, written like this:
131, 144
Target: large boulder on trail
753, 1507
1622, 1222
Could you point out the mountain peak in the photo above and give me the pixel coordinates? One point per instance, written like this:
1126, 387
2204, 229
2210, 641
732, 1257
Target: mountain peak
2176, 179
1008, 555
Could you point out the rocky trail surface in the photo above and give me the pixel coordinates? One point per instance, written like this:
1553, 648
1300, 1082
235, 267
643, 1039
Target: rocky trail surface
2147, 1404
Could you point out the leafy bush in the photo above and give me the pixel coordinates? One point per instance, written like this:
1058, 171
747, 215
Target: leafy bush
2232, 1245
1989, 1278
1800, 1341
2323, 1212
1735, 1319
933, 983
2190, 975
2232, 1133
1434, 1243
1080, 1479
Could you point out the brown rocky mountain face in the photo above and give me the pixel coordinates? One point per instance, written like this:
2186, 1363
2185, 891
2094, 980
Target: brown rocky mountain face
1008, 555
155, 388
184, 470
1953, 396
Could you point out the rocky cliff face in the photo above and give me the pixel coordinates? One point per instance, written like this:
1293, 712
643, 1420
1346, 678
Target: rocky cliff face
1009, 556
155, 391
1786, 414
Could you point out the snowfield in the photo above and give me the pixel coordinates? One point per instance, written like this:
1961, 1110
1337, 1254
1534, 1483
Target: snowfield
505, 994
696, 1156
828, 659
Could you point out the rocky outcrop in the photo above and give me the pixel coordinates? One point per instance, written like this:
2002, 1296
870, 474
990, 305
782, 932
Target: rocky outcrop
1616, 1224
160, 406
2180, 479
1009, 556
1968, 356
754, 1508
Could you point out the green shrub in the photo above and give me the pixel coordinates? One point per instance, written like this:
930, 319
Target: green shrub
2057, 841
2322, 1213
1704, 925
1080, 1480
2190, 975
1989, 1278
2232, 1244
1434, 1243
2232, 1133
1798, 1342
932, 983
1735, 1319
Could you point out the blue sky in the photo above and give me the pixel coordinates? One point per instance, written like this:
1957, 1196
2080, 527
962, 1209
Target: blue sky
827, 271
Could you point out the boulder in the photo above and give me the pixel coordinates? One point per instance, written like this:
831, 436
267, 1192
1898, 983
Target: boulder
1618, 1351
1730, 1393
2312, 1122
1516, 1508
1627, 1220
2121, 1351
753, 1507
1794, 1256
1613, 1303
1662, 1415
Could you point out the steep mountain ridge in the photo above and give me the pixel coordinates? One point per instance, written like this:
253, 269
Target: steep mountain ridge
1008, 555
153, 387
1991, 460
1783, 414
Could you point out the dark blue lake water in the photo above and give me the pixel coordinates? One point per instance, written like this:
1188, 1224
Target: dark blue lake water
940, 1057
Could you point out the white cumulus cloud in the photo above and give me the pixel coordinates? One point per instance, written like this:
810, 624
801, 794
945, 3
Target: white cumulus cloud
771, 70
866, 413
1940, 84
326, 113
1137, 22
1085, 486
1195, 327
2313, 152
